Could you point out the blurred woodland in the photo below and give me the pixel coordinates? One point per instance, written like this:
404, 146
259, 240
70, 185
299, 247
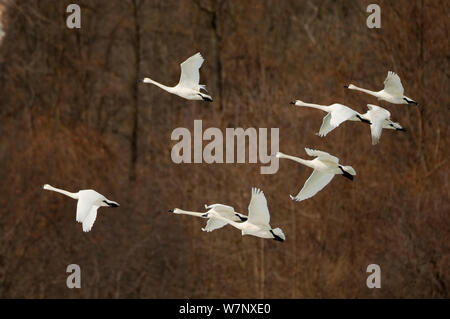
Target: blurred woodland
75, 114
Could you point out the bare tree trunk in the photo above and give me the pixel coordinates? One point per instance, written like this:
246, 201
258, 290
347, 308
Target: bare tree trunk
137, 57
262, 274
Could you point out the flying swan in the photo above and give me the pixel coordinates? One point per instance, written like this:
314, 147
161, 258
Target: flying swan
392, 92
337, 114
258, 222
325, 167
380, 119
214, 223
188, 87
88, 203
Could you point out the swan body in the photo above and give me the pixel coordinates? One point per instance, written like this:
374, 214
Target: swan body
337, 114
258, 222
380, 119
88, 203
214, 223
325, 167
188, 87
392, 91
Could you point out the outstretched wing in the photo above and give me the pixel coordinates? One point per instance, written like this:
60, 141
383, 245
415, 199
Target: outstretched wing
316, 182
340, 114
258, 212
321, 154
377, 117
213, 224
190, 75
88, 222
326, 126
393, 85
83, 208
86, 199
220, 208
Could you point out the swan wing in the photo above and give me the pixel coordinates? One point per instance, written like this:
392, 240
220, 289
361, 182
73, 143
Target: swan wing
83, 208
341, 113
258, 212
220, 208
375, 131
316, 182
378, 116
326, 126
213, 224
321, 154
88, 222
338, 115
393, 85
86, 199
190, 75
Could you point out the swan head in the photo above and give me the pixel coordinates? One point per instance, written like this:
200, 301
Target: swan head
110, 203
296, 103
278, 154
350, 86
175, 211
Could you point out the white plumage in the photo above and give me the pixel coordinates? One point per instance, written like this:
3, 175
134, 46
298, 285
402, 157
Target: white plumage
258, 222
392, 92
214, 223
380, 119
337, 114
188, 86
325, 167
88, 203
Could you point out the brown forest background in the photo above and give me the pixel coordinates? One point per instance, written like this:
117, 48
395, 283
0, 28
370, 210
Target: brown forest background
75, 114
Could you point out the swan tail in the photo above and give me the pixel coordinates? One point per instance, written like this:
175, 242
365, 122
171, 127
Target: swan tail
350, 170
205, 97
278, 234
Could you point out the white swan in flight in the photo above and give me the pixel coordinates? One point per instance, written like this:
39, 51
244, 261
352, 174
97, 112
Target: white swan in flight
392, 92
258, 222
214, 223
380, 119
88, 203
337, 114
325, 167
188, 87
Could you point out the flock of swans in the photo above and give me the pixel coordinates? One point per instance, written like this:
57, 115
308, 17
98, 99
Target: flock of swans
324, 165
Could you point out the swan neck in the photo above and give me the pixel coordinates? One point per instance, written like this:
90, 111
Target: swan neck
315, 106
229, 221
185, 212
357, 88
296, 159
62, 191
162, 86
